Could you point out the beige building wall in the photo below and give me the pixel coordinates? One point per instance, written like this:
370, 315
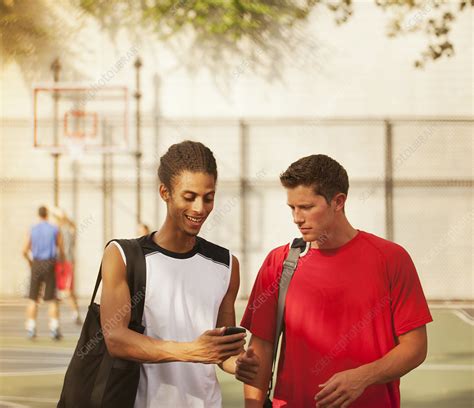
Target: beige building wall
353, 70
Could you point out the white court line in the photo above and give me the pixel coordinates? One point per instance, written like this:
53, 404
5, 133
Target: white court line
27, 373
451, 306
39, 349
27, 359
12, 404
446, 367
465, 317
27, 399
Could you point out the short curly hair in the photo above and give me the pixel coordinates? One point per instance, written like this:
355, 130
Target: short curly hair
319, 171
186, 156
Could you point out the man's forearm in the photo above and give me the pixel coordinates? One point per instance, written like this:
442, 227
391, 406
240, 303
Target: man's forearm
130, 345
255, 394
62, 254
395, 364
26, 255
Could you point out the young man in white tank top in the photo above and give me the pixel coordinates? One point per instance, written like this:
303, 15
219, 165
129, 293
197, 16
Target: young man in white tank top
191, 288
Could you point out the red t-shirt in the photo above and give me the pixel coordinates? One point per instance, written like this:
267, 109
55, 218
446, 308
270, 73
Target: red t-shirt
344, 308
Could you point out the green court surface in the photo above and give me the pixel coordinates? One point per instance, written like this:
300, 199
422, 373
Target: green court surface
32, 372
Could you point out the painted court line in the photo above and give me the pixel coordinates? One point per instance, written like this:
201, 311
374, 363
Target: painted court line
9, 404
27, 399
31, 373
28, 359
465, 317
39, 349
446, 367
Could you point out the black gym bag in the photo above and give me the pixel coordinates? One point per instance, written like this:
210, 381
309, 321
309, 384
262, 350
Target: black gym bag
94, 379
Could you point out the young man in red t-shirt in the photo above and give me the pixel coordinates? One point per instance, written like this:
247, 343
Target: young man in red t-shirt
355, 312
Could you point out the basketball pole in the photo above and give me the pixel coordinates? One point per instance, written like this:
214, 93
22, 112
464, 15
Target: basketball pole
56, 68
138, 153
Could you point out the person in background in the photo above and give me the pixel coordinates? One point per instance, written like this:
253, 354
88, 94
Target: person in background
143, 229
65, 270
42, 246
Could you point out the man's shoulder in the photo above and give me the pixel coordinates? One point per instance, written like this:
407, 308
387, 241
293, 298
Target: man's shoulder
277, 256
280, 251
384, 246
45, 225
214, 252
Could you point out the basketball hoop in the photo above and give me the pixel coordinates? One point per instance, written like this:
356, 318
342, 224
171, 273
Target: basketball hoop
80, 124
77, 119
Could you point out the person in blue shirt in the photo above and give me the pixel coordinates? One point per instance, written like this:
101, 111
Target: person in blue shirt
43, 243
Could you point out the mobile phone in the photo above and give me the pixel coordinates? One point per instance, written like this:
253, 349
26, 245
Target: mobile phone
233, 330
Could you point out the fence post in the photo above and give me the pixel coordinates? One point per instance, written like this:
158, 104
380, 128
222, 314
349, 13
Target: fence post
56, 68
243, 136
138, 153
388, 180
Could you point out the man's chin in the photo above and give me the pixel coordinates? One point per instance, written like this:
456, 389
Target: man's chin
319, 239
192, 232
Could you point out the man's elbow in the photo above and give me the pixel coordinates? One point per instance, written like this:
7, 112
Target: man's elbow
415, 344
421, 354
418, 356
113, 343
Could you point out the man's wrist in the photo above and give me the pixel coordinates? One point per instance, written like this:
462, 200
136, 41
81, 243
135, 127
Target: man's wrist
186, 354
367, 374
172, 351
229, 365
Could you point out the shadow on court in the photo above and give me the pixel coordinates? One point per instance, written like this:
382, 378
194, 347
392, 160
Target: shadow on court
31, 373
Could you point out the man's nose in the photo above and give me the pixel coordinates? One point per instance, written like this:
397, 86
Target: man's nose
298, 217
198, 206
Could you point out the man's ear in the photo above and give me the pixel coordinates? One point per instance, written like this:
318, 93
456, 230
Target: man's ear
164, 193
339, 201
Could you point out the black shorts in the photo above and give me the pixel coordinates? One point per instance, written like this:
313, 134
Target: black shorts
43, 271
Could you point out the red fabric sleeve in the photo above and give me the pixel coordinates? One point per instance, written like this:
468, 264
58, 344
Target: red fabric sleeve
260, 314
409, 307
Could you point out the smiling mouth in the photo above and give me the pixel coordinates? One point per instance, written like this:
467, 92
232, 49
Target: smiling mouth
195, 220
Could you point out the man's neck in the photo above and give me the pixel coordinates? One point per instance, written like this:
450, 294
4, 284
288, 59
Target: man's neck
337, 237
172, 239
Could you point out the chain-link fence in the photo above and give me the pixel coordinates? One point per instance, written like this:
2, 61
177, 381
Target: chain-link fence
411, 181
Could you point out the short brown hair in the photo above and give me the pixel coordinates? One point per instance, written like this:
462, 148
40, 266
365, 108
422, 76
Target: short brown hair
319, 171
43, 211
186, 156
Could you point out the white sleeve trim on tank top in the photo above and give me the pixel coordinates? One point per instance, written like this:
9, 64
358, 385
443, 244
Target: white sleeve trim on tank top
121, 251
99, 291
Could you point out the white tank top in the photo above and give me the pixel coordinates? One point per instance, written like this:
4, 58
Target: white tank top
182, 300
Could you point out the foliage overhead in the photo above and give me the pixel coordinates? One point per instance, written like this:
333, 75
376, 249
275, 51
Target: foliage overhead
29, 30
434, 18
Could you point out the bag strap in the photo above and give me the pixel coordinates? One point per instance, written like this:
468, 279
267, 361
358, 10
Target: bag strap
289, 266
136, 277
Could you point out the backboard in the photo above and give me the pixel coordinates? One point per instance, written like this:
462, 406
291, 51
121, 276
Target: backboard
72, 117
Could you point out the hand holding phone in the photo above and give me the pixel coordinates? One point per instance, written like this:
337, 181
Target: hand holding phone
233, 330
216, 345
